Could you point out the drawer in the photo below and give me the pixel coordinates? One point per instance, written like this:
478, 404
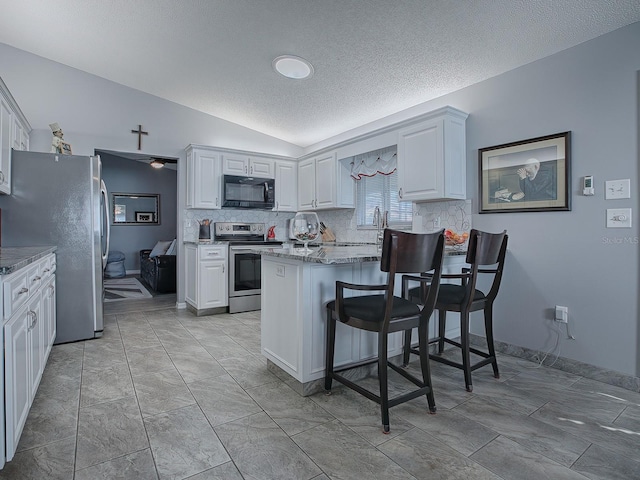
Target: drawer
212, 252
47, 266
34, 278
16, 293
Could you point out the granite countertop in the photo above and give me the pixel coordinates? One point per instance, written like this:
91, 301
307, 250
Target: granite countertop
205, 242
334, 254
15, 258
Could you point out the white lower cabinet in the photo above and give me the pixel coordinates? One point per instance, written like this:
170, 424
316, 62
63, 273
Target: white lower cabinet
206, 278
28, 298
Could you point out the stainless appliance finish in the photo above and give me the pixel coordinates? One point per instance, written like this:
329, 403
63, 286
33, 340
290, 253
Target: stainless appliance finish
244, 265
61, 200
248, 192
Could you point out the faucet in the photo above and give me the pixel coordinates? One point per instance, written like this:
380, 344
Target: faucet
381, 221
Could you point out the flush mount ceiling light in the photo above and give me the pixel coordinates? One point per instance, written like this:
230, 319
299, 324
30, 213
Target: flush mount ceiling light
292, 67
157, 163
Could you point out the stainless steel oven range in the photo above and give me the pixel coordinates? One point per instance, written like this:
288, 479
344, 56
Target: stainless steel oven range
244, 266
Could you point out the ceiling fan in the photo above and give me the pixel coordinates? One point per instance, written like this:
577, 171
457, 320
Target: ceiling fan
159, 162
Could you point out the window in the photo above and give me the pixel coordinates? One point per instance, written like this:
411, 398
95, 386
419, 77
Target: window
381, 191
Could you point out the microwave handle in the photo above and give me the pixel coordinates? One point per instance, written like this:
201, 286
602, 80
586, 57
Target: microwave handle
266, 192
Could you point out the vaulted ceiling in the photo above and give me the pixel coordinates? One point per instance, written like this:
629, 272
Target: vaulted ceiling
372, 58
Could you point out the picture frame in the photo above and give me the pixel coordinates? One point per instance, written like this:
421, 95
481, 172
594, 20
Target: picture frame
526, 176
65, 148
144, 217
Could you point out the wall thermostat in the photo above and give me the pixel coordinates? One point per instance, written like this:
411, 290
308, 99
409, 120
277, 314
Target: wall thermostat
587, 185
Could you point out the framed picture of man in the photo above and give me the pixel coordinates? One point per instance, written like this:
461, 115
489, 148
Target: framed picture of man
526, 176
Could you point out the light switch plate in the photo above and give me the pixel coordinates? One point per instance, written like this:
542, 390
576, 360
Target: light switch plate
618, 218
617, 189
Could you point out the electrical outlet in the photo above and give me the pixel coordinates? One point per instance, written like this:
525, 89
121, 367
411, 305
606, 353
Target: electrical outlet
436, 222
562, 314
280, 270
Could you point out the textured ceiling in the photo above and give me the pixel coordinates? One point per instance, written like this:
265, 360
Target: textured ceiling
372, 58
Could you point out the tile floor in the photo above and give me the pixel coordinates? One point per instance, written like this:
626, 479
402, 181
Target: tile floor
167, 395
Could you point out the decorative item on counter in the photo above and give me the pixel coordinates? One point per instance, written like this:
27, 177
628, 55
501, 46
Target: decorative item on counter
305, 227
204, 232
327, 234
271, 233
58, 145
452, 238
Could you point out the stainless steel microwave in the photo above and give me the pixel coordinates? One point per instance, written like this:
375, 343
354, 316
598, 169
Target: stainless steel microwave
248, 192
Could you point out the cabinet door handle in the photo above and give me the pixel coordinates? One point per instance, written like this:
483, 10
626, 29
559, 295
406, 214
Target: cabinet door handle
245, 169
400, 193
251, 169
222, 268
1, 176
34, 319
216, 201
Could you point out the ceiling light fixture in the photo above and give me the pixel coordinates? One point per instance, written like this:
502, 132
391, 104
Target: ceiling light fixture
156, 163
292, 67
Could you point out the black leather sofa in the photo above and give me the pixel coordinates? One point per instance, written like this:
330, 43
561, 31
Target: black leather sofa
158, 272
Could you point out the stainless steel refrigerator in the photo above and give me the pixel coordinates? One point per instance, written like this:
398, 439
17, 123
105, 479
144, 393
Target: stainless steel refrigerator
61, 200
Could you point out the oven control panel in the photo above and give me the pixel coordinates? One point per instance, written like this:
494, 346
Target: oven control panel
238, 231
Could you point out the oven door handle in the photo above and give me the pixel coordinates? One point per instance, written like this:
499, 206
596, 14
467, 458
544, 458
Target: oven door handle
235, 249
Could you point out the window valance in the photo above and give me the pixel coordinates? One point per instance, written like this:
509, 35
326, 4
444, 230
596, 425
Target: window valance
372, 163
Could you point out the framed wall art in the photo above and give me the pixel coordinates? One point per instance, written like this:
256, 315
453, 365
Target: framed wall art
526, 176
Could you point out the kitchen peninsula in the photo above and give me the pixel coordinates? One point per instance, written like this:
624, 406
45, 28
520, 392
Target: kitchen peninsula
295, 288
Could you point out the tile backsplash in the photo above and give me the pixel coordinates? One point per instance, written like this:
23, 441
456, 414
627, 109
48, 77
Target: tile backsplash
455, 215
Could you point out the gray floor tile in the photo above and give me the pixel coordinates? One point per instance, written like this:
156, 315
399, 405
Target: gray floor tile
600, 463
222, 400
342, 453
196, 365
248, 371
105, 384
140, 339
531, 433
629, 419
583, 426
459, 432
426, 458
149, 360
222, 347
49, 420
109, 430
161, 392
183, 443
511, 461
261, 450
293, 413
135, 466
226, 471
361, 415
51, 462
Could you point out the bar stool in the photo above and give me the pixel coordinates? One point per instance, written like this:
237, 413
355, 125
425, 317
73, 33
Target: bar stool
485, 250
402, 253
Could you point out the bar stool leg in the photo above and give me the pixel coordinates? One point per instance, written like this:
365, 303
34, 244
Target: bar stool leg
423, 329
384, 382
330, 349
488, 327
464, 341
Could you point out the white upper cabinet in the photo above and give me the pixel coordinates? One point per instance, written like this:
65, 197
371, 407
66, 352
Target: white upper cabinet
286, 187
325, 183
14, 133
203, 179
432, 158
245, 165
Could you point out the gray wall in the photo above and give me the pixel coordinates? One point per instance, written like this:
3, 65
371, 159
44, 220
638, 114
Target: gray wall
129, 176
565, 258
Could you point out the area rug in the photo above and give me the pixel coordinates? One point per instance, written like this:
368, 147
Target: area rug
116, 289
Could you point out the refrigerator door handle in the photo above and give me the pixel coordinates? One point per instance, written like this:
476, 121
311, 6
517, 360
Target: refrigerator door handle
105, 196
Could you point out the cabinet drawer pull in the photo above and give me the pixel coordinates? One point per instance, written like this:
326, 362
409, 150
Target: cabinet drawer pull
46, 270
213, 254
23, 290
35, 279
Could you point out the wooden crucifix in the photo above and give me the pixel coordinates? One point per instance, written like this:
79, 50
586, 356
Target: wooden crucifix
140, 133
